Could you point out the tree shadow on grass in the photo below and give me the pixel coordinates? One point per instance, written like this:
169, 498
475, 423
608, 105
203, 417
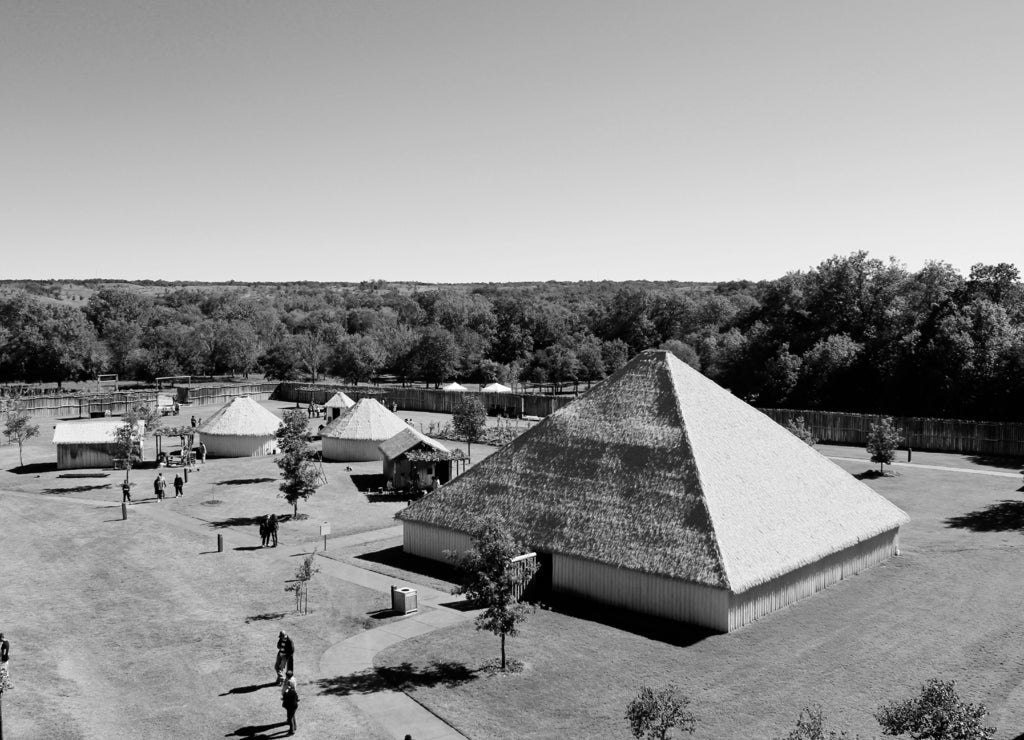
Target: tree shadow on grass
869, 475
74, 489
257, 732
265, 617
402, 677
246, 521
245, 481
33, 468
1006, 516
993, 461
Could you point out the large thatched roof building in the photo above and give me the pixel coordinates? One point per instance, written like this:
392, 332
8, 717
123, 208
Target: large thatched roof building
89, 444
356, 434
240, 428
660, 491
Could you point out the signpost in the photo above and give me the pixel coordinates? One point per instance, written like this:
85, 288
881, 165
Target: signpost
325, 529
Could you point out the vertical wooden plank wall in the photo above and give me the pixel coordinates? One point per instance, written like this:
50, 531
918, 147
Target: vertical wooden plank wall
428, 541
807, 581
650, 594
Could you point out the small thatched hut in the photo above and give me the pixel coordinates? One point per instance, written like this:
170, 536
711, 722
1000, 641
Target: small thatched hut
89, 444
414, 459
661, 492
355, 436
496, 388
240, 428
337, 404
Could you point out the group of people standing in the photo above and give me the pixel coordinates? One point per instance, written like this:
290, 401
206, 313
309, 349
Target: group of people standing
160, 487
268, 530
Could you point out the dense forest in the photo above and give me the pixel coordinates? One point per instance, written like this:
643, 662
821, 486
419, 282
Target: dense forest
853, 334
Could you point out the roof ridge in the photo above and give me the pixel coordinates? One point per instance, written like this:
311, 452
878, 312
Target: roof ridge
669, 366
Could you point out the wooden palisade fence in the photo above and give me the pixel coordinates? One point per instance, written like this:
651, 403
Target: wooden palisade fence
513, 405
936, 435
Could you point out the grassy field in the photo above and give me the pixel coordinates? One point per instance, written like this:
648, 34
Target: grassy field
950, 606
125, 630
138, 629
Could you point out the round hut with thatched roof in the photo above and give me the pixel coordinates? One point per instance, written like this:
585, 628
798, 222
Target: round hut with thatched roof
337, 405
356, 435
241, 428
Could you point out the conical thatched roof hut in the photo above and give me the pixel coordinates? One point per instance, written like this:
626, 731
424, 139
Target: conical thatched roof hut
662, 492
240, 428
356, 434
338, 404
496, 388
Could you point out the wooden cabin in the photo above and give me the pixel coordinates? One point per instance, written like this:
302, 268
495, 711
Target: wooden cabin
89, 444
413, 460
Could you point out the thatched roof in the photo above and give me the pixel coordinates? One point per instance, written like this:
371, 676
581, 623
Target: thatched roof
241, 417
406, 440
454, 387
496, 388
367, 420
659, 469
99, 431
340, 401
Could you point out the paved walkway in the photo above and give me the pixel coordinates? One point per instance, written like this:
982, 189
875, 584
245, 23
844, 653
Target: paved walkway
947, 468
394, 712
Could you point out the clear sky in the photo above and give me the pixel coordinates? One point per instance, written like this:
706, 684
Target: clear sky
517, 140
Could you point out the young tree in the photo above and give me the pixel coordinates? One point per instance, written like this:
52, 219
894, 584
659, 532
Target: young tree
469, 420
128, 436
937, 714
654, 713
300, 585
883, 439
489, 579
811, 726
801, 431
300, 474
18, 426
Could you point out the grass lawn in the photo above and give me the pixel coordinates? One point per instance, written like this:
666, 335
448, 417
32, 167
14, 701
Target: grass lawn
124, 630
950, 606
135, 629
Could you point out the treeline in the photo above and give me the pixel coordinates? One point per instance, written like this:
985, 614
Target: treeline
853, 334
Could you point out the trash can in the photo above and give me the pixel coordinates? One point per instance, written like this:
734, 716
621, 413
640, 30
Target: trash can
403, 600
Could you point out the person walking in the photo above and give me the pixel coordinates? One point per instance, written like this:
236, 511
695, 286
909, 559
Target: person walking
264, 531
193, 422
285, 662
202, 452
126, 492
179, 485
290, 702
